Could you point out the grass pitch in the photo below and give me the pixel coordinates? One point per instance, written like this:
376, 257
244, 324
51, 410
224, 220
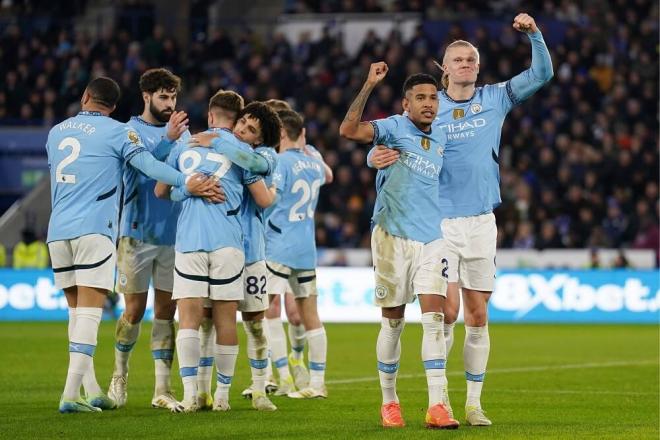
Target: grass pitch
543, 381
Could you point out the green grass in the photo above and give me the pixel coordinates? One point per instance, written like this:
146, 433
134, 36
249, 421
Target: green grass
605, 386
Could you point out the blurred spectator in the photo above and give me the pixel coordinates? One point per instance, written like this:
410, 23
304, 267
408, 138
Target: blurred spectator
30, 252
594, 259
620, 261
524, 238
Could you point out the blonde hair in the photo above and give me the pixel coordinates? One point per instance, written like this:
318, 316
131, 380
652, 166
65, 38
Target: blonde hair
278, 104
458, 43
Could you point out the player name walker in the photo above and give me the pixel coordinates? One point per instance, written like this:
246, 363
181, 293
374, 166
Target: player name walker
77, 125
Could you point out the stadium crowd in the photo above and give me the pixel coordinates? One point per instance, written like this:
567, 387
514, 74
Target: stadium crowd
579, 160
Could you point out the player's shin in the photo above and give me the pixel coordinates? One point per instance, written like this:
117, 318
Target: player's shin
162, 350
318, 348
82, 344
187, 341
388, 353
277, 345
449, 337
126, 335
225, 361
475, 358
257, 351
207, 344
297, 340
434, 355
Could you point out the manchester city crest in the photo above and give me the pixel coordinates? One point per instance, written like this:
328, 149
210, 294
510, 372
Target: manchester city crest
476, 108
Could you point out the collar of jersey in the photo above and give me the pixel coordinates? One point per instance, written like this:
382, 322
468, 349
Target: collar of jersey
142, 121
217, 129
88, 113
462, 101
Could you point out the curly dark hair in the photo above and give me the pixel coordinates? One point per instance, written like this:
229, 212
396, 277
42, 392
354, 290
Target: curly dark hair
154, 80
268, 120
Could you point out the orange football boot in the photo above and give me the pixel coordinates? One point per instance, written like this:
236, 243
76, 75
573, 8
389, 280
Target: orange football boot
390, 415
438, 417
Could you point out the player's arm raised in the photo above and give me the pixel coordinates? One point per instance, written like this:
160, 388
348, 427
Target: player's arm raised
351, 127
526, 83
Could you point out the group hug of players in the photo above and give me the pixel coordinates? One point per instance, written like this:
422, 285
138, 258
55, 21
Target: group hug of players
221, 222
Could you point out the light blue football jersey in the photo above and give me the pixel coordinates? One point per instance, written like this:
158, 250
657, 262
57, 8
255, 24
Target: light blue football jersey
204, 226
407, 193
146, 217
470, 178
253, 217
290, 232
86, 155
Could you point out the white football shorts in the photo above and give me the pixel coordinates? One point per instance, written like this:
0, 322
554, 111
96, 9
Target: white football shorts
468, 251
216, 275
255, 295
405, 268
84, 261
139, 262
282, 279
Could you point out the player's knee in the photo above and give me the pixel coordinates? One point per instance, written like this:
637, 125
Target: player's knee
133, 313
477, 318
293, 317
451, 314
274, 308
312, 322
165, 311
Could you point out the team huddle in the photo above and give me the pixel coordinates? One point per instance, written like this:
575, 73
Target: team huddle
222, 222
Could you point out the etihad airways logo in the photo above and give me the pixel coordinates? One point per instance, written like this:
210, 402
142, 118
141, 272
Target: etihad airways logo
420, 164
462, 129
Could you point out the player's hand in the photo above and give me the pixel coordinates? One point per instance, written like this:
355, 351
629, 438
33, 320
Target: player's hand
383, 157
524, 23
177, 125
207, 187
218, 196
311, 152
377, 71
202, 139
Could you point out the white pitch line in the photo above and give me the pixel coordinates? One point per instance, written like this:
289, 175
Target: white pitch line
374, 378
593, 392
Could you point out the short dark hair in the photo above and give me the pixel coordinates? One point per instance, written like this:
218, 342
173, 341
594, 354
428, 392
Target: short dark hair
292, 122
104, 91
228, 102
418, 78
154, 80
268, 119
